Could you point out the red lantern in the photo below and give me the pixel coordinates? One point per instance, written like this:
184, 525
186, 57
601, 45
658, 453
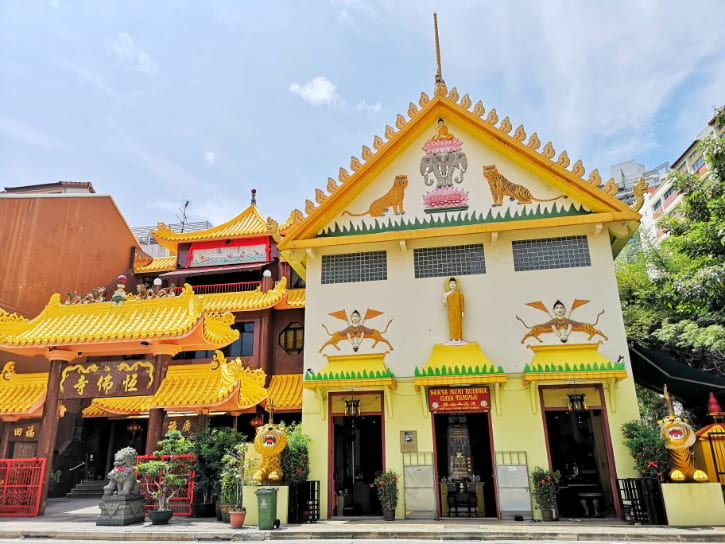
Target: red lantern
256, 421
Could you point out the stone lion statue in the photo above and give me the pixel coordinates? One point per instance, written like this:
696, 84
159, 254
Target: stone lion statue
122, 478
269, 442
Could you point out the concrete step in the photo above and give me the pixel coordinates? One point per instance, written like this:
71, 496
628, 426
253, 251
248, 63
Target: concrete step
87, 488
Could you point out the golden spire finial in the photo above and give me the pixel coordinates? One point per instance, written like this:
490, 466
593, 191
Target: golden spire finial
439, 76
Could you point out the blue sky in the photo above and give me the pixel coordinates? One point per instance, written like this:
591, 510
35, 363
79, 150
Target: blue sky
160, 102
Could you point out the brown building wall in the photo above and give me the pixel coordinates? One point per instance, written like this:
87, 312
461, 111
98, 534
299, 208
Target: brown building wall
53, 244
282, 362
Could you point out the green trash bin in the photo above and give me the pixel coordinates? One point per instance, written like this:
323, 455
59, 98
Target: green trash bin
267, 508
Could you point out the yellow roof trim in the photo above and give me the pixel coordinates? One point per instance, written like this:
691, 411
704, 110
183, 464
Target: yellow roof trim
497, 138
285, 392
454, 364
22, 395
295, 298
245, 301
159, 264
248, 223
105, 327
571, 361
508, 226
356, 370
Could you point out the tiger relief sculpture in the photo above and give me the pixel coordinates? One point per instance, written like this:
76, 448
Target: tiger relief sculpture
500, 187
679, 438
561, 323
122, 478
269, 443
392, 199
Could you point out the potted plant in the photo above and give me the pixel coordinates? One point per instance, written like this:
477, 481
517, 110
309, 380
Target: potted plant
164, 477
210, 445
387, 487
232, 485
546, 486
295, 461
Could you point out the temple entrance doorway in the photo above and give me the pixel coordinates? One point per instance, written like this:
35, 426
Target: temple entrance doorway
579, 447
464, 464
357, 455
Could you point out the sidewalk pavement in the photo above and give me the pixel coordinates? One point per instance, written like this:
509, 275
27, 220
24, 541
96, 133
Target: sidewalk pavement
75, 519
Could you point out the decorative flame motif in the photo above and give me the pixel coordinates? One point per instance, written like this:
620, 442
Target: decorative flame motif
578, 168
492, 117
423, 100
389, 132
331, 185
320, 196
400, 121
309, 206
466, 101
611, 187
595, 178
534, 142
366, 154
378, 142
453, 94
412, 110
520, 134
639, 189
563, 160
506, 125
355, 164
478, 109
548, 151
342, 175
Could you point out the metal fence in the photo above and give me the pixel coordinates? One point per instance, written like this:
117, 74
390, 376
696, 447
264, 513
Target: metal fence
21, 485
641, 501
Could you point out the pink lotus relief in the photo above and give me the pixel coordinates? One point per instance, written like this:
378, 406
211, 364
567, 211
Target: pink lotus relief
443, 146
446, 197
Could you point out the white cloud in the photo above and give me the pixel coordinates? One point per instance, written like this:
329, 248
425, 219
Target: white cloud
364, 106
132, 55
17, 130
318, 91
210, 157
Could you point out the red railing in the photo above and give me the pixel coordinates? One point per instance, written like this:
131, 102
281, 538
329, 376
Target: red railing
21, 484
181, 502
223, 287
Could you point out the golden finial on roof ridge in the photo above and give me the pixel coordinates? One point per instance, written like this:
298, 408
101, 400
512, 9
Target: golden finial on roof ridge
505, 125
638, 190
520, 134
578, 168
320, 196
331, 185
6, 317
400, 121
548, 150
440, 85
594, 178
563, 160
466, 101
611, 187
492, 117
478, 109
534, 142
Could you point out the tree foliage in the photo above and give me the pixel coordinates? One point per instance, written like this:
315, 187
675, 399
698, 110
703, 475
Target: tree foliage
673, 294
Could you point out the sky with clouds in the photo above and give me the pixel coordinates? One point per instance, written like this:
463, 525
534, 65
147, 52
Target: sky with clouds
160, 102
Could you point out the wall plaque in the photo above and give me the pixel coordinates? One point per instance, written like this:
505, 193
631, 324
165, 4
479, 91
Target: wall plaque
459, 399
107, 379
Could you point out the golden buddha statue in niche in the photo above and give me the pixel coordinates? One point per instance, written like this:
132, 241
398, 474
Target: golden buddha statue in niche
453, 300
442, 132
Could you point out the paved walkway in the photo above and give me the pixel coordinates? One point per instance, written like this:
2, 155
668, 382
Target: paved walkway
75, 519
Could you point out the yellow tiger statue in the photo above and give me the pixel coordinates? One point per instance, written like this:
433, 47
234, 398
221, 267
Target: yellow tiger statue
269, 442
679, 438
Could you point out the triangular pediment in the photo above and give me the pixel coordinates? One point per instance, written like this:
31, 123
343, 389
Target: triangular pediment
450, 169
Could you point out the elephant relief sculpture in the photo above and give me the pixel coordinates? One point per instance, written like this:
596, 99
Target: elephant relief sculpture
442, 167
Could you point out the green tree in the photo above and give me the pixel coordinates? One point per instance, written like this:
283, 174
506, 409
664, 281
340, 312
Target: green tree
673, 294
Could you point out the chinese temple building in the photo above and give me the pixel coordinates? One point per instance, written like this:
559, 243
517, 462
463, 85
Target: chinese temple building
462, 320
123, 371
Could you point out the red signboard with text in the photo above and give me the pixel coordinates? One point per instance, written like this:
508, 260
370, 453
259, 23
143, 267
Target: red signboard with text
459, 399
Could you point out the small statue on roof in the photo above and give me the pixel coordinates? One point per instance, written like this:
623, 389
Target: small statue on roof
119, 295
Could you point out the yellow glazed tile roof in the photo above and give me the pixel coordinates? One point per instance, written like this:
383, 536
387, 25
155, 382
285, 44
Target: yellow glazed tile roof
248, 223
285, 391
295, 299
159, 264
351, 370
244, 301
179, 318
455, 364
21, 395
571, 361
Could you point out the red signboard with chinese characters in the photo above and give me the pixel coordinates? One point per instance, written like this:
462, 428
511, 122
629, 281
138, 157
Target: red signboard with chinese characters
107, 379
459, 399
